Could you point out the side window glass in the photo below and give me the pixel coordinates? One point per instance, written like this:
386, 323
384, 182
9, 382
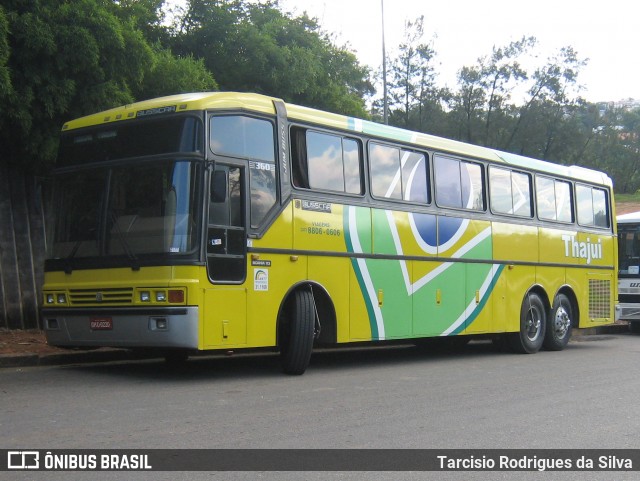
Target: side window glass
472, 186
262, 180
521, 193
554, 199
243, 137
585, 205
448, 186
326, 162
386, 180
352, 163
415, 185
600, 209
510, 192
592, 206
500, 192
459, 184
563, 201
546, 198
398, 174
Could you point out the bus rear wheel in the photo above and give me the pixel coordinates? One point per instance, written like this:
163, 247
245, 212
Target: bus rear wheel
298, 333
559, 329
533, 321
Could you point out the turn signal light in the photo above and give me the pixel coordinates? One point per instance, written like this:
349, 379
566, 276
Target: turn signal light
176, 296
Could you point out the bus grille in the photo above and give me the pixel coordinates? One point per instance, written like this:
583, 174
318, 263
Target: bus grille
599, 298
100, 297
628, 298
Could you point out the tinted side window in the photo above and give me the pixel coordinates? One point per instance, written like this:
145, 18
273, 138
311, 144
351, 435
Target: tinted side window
554, 200
459, 184
398, 174
326, 162
510, 192
244, 137
262, 179
249, 138
592, 206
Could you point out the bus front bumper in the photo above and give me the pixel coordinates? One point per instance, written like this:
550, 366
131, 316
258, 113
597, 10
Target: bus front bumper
627, 312
162, 327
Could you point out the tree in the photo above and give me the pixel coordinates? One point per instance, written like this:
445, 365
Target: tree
71, 58
501, 72
169, 74
5, 81
466, 105
413, 76
550, 98
256, 47
481, 103
615, 148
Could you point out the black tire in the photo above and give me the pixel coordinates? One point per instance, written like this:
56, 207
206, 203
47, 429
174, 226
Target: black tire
634, 327
296, 342
533, 322
559, 325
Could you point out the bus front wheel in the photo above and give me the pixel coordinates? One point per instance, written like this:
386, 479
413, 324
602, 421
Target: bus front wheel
559, 329
297, 336
533, 321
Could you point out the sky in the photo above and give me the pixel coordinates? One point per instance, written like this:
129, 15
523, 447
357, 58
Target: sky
605, 32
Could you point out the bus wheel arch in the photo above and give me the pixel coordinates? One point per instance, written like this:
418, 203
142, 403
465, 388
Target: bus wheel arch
306, 316
563, 316
533, 322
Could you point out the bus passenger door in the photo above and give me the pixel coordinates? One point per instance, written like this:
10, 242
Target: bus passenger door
225, 299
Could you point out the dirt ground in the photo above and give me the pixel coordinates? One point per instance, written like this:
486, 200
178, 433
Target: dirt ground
626, 207
22, 342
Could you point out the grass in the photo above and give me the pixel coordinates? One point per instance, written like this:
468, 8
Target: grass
635, 198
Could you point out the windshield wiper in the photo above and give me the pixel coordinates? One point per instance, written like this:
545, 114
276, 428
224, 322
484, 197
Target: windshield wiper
67, 261
135, 265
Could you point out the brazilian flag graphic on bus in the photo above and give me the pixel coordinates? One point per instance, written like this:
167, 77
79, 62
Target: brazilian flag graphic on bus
406, 293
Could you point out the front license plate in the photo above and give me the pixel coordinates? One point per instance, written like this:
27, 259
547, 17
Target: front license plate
101, 324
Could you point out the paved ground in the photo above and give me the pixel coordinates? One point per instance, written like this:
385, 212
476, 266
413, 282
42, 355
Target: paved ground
30, 348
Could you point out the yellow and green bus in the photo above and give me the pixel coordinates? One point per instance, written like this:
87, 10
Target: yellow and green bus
229, 221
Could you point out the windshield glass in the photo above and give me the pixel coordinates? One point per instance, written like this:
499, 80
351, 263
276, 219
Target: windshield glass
629, 249
121, 140
126, 211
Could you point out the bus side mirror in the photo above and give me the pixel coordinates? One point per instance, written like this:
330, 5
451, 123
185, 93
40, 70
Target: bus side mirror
219, 186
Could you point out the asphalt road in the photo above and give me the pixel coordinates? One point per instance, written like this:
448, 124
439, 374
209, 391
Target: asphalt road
585, 397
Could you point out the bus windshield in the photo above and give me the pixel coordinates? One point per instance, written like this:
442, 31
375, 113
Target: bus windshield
126, 211
629, 249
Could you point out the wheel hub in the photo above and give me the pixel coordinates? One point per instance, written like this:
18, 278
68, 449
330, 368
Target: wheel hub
562, 322
533, 324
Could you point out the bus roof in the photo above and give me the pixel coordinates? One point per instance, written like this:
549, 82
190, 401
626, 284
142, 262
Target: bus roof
264, 104
630, 218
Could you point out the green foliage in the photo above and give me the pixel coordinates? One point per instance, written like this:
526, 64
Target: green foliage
61, 59
413, 75
5, 81
615, 148
71, 58
255, 47
549, 120
172, 75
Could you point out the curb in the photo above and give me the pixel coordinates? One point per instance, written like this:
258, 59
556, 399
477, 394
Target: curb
112, 354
